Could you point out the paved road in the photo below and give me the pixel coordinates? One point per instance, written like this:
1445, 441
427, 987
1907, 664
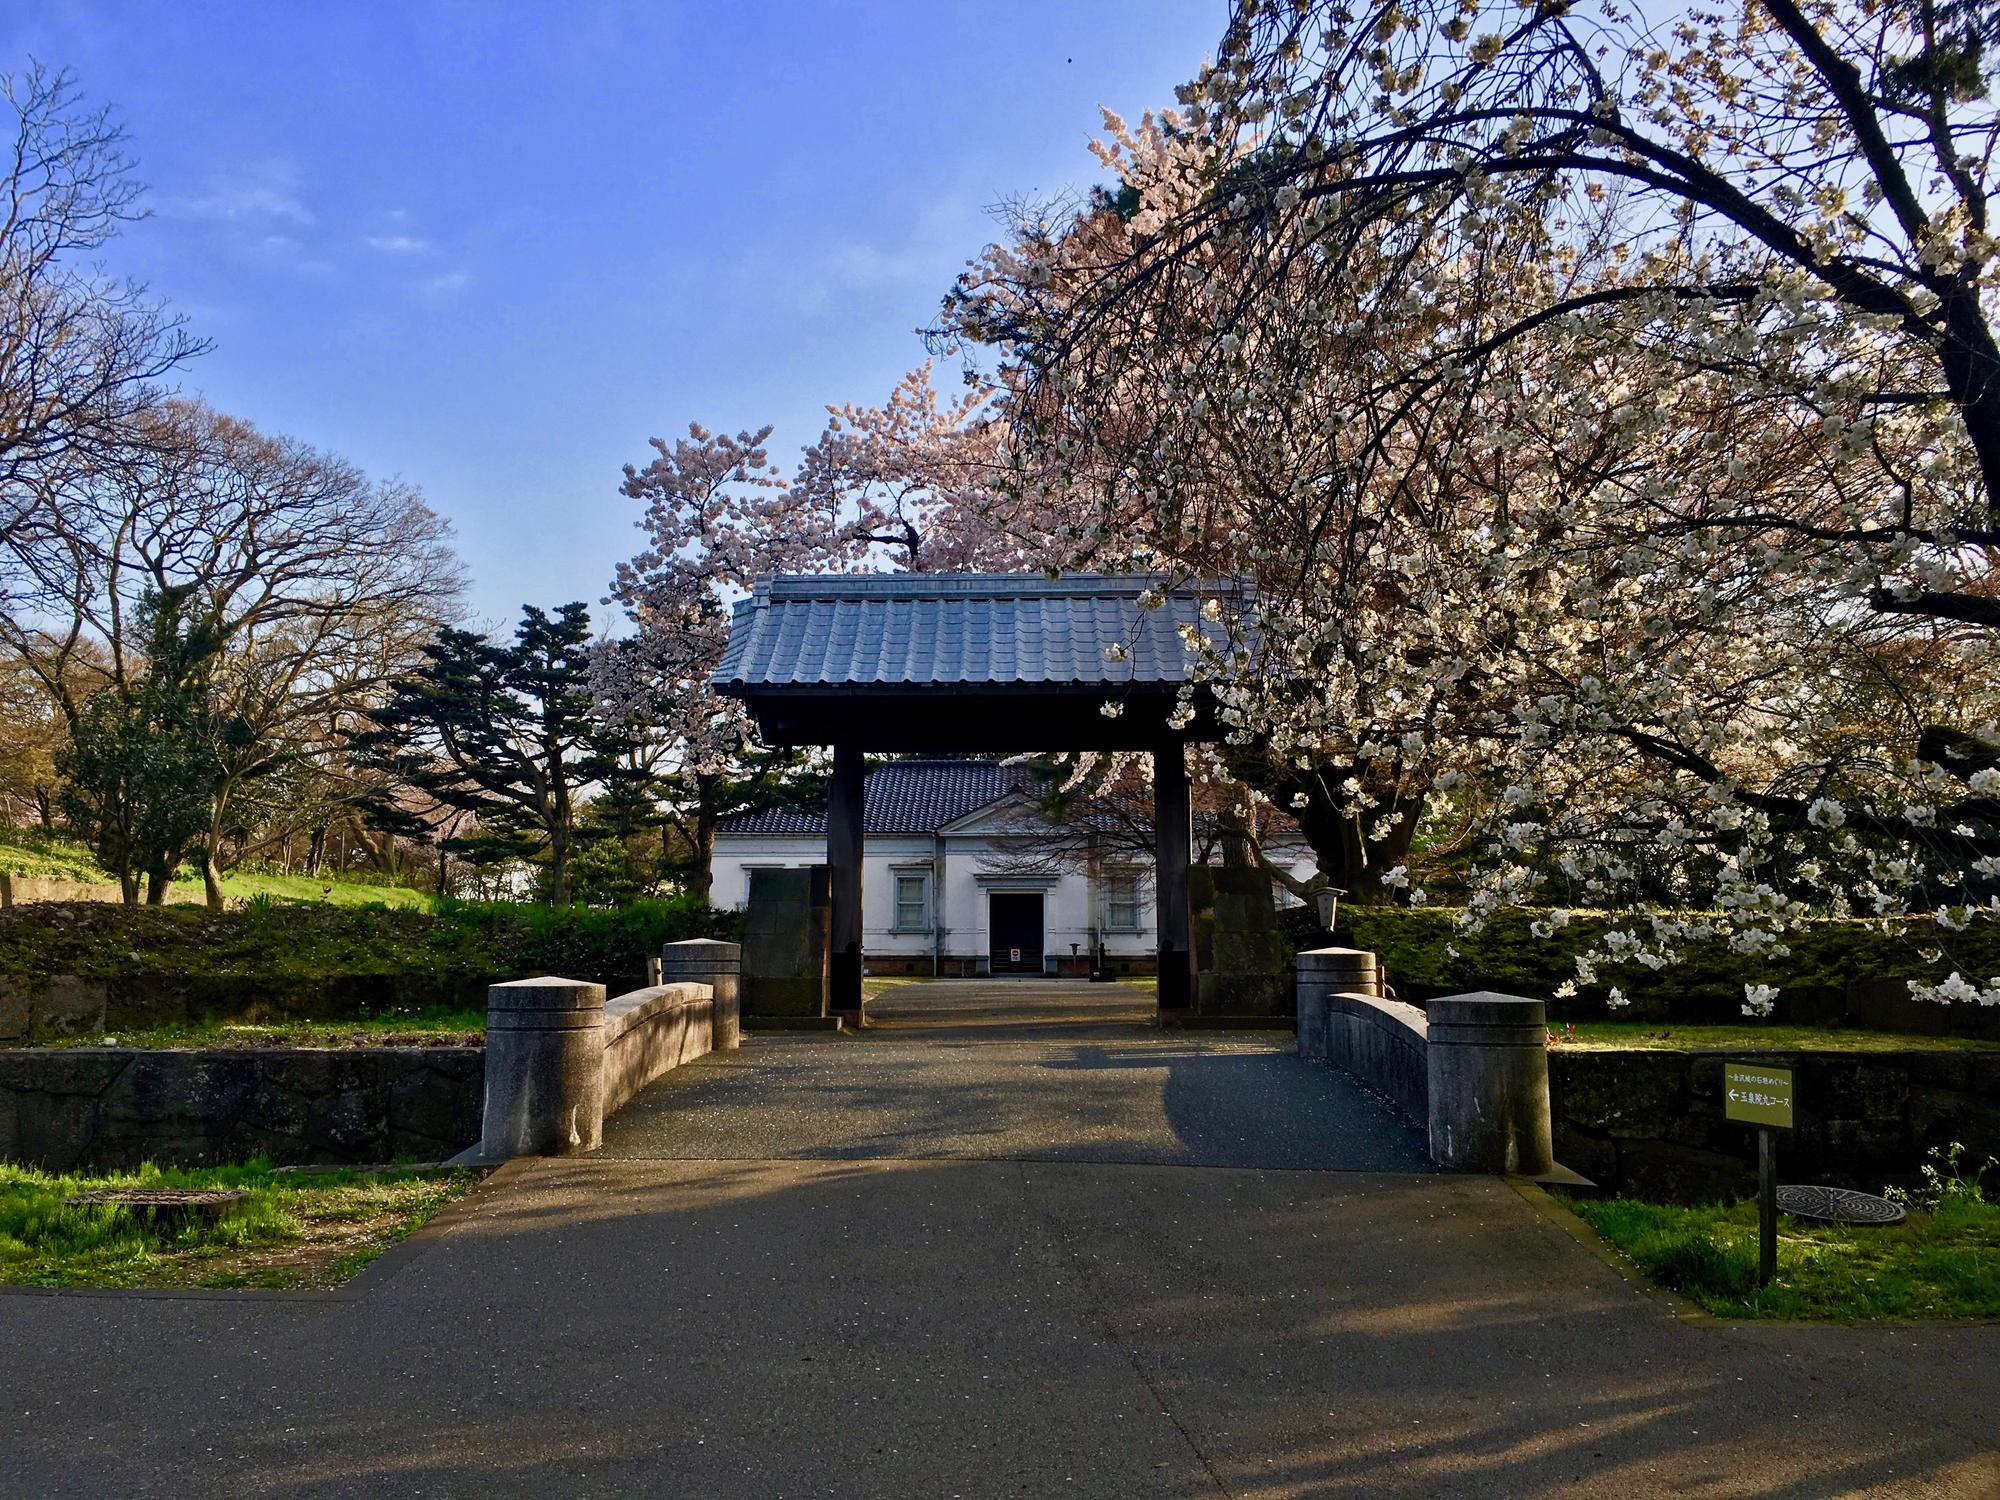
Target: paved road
1003, 1269
1140, 1098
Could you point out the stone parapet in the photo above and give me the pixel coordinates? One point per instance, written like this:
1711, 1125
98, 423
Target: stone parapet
1489, 1084
544, 1068
561, 1059
1385, 1044
650, 1031
1324, 971
719, 965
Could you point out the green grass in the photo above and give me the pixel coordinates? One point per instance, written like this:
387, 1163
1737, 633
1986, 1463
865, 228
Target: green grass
428, 1026
29, 851
309, 890
1942, 1264
309, 1230
1622, 1035
43, 856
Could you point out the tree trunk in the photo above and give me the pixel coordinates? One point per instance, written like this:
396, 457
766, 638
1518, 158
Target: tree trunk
211, 853
157, 882
315, 851
128, 887
380, 844
559, 865
45, 809
1349, 859
701, 883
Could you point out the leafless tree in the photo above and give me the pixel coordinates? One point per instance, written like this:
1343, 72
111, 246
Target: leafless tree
318, 583
80, 353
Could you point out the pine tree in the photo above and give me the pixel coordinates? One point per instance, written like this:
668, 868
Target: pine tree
505, 732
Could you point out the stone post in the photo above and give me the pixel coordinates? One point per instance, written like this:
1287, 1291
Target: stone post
712, 962
1489, 1084
1173, 912
846, 814
544, 1068
1330, 971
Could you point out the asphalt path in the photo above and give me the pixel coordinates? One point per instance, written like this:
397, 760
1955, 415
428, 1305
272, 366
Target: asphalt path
1136, 1265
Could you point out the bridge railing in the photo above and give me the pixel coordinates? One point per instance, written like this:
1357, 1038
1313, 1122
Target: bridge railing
561, 1059
1471, 1070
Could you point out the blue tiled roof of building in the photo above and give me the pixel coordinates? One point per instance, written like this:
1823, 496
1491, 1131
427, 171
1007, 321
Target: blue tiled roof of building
904, 796
955, 629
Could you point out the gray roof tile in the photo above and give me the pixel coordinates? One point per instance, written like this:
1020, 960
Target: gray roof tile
966, 629
904, 796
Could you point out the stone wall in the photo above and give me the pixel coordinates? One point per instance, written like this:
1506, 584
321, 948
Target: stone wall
110, 1107
20, 890
58, 1006
1650, 1123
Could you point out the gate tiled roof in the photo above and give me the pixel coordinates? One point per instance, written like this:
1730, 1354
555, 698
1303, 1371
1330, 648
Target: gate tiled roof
974, 630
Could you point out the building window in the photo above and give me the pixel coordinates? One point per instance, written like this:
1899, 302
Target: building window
913, 901
1121, 901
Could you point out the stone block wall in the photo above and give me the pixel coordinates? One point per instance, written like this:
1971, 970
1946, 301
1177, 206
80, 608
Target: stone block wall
1650, 1123
94, 1108
21, 890
58, 1006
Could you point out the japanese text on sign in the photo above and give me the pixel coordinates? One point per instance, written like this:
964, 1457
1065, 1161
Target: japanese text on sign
1757, 1095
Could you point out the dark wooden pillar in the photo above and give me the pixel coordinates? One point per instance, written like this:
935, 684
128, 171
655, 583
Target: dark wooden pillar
1173, 829
843, 853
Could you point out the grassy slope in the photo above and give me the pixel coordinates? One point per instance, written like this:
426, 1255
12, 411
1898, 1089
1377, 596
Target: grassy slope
31, 853
1940, 1265
429, 1026
308, 1230
238, 886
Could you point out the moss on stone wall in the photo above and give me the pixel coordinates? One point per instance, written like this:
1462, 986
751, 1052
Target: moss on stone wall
292, 946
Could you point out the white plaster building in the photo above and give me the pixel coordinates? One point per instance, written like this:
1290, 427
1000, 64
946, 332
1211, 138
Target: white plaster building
957, 879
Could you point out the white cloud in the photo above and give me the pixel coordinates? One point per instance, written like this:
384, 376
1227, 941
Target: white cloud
450, 284
398, 244
246, 202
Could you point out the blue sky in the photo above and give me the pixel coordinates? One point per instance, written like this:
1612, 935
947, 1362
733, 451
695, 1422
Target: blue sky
492, 248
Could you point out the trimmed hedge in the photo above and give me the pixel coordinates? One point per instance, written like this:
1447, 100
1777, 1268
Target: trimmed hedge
1837, 972
480, 942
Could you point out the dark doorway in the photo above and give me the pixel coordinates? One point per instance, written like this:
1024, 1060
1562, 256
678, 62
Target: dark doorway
1015, 923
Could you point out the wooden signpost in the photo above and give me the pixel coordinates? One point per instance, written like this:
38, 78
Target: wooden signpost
1761, 1095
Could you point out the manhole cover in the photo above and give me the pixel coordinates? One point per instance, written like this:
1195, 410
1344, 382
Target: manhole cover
1842, 1205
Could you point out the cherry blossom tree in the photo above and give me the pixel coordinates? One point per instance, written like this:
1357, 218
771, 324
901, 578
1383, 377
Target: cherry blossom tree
915, 484
1603, 415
